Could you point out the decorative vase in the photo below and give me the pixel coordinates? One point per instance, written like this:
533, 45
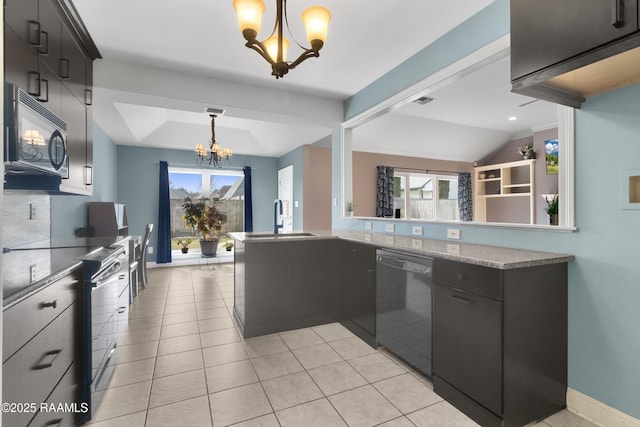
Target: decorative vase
209, 247
185, 250
553, 219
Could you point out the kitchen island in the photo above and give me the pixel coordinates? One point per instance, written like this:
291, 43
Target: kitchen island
499, 314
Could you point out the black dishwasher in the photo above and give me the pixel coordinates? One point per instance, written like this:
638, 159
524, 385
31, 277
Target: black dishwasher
404, 291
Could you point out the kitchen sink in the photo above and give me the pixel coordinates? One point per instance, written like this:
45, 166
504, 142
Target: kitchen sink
278, 236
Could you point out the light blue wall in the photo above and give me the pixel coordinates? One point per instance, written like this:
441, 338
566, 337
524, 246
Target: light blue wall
295, 158
70, 212
138, 170
604, 295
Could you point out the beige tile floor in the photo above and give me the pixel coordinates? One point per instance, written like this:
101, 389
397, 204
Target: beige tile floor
183, 363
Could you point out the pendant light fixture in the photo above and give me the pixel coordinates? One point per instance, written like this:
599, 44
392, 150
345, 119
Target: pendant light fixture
274, 48
216, 155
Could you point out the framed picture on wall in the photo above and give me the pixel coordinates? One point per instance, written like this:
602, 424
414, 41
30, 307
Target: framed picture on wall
551, 156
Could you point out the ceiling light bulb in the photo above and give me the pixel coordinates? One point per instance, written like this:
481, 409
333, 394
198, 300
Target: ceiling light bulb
249, 14
272, 48
512, 118
316, 20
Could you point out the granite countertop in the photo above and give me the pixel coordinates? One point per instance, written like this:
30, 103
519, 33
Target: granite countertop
488, 256
53, 258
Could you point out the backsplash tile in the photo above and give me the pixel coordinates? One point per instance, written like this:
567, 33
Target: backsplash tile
17, 227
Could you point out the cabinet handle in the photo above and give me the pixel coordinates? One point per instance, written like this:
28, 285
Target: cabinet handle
462, 300
44, 94
34, 84
616, 13
88, 97
64, 68
46, 361
34, 33
122, 310
52, 304
43, 49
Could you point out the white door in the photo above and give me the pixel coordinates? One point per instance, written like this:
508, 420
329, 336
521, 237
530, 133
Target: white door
285, 193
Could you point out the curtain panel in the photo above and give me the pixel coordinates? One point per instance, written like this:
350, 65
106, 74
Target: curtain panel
248, 201
384, 192
465, 196
164, 216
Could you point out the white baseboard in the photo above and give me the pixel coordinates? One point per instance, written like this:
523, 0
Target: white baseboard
598, 412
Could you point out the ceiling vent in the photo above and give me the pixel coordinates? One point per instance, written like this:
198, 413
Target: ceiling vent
216, 111
423, 100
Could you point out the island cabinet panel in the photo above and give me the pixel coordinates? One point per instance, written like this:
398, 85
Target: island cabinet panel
354, 294
282, 285
500, 340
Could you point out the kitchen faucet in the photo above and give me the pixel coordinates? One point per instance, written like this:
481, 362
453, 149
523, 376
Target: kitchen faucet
276, 226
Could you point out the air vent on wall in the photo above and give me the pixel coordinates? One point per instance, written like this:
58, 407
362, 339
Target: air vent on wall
423, 100
216, 111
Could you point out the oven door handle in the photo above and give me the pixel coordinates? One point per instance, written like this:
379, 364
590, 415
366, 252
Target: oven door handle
101, 283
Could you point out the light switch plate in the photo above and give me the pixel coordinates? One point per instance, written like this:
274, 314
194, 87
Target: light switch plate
390, 228
389, 240
416, 243
149, 250
453, 249
453, 233
368, 237
32, 211
416, 230
368, 225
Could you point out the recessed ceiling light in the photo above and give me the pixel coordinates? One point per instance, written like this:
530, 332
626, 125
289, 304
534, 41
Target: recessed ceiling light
512, 118
423, 100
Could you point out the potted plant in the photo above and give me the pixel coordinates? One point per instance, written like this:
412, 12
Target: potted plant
350, 207
185, 242
228, 246
552, 209
526, 151
203, 216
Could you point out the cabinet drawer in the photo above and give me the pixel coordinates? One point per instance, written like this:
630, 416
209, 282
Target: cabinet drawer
469, 277
65, 396
31, 373
27, 318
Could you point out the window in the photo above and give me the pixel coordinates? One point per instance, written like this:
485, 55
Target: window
225, 185
426, 196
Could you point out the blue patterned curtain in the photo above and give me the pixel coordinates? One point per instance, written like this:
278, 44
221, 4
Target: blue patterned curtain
465, 196
164, 216
248, 201
384, 192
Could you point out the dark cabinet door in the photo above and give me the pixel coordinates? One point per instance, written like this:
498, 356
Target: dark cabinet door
546, 32
73, 66
467, 344
21, 65
355, 292
22, 17
74, 112
50, 33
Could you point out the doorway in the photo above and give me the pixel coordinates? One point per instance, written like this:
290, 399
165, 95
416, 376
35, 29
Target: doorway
285, 193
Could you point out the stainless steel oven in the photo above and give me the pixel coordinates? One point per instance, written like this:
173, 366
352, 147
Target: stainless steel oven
105, 316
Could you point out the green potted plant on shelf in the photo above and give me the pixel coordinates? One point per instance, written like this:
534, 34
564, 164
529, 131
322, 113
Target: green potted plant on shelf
184, 243
350, 207
552, 209
526, 151
204, 216
228, 245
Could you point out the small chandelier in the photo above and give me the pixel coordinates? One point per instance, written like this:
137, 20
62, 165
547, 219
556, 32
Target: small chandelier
216, 154
274, 48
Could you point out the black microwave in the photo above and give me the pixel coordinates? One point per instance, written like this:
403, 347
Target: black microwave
35, 138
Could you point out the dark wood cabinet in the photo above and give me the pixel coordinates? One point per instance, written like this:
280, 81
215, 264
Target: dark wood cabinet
355, 289
500, 341
49, 54
546, 32
550, 38
41, 341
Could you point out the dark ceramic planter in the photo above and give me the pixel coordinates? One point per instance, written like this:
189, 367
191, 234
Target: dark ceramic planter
185, 250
